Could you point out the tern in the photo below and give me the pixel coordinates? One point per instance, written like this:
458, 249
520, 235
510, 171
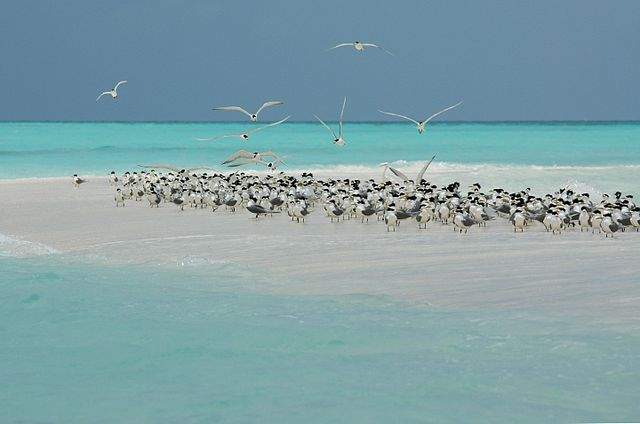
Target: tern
254, 208
338, 140
77, 181
244, 136
360, 46
252, 116
401, 175
113, 93
243, 157
423, 170
177, 170
421, 124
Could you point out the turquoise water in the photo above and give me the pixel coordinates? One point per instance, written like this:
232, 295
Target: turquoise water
97, 343
62, 149
91, 342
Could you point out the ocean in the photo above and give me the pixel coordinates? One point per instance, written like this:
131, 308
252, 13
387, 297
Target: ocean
602, 156
93, 342
85, 340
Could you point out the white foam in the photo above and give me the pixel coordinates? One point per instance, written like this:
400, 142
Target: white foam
17, 248
542, 179
410, 166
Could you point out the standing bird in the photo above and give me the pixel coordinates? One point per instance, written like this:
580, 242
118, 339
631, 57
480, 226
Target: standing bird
391, 219
608, 225
179, 202
635, 218
119, 198
113, 179
463, 221
584, 219
420, 125
252, 116
555, 223
338, 140
113, 93
424, 216
244, 136
256, 209
518, 220
360, 46
77, 181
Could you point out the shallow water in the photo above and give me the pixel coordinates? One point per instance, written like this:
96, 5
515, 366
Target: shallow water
598, 157
29, 149
93, 342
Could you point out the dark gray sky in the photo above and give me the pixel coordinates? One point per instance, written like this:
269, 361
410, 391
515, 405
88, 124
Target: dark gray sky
508, 60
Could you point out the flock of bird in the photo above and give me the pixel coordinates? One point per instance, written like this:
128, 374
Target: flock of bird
338, 138
391, 200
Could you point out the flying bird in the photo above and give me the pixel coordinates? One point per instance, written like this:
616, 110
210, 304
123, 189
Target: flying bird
360, 46
338, 140
401, 175
421, 124
177, 170
113, 93
423, 170
244, 136
252, 116
394, 171
244, 157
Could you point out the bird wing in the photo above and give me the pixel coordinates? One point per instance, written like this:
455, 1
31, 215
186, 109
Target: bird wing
233, 109
240, 154
326, 126
269, 104
160, 166
441, 112
340, 45
220, 137
200, 168
399, 116
398, 174
269, 153
103, 93
342, 114
423, 170
245, 161
377, 47
119, 84
273, 124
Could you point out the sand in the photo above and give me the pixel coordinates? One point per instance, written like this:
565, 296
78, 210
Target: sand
574, 273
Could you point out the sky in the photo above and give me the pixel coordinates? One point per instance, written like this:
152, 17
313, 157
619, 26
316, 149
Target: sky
507, 60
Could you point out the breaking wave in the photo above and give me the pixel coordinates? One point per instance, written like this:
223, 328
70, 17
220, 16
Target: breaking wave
18, 248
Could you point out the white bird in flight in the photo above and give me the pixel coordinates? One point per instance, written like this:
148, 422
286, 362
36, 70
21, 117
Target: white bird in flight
360, 46
243, 157
421, 124
244, 136
177, 170
338, 140
113, 93
401, 175
252, 116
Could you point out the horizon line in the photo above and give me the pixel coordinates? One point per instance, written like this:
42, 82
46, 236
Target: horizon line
514, 121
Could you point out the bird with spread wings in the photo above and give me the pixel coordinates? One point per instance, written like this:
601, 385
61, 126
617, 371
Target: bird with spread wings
252, 116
